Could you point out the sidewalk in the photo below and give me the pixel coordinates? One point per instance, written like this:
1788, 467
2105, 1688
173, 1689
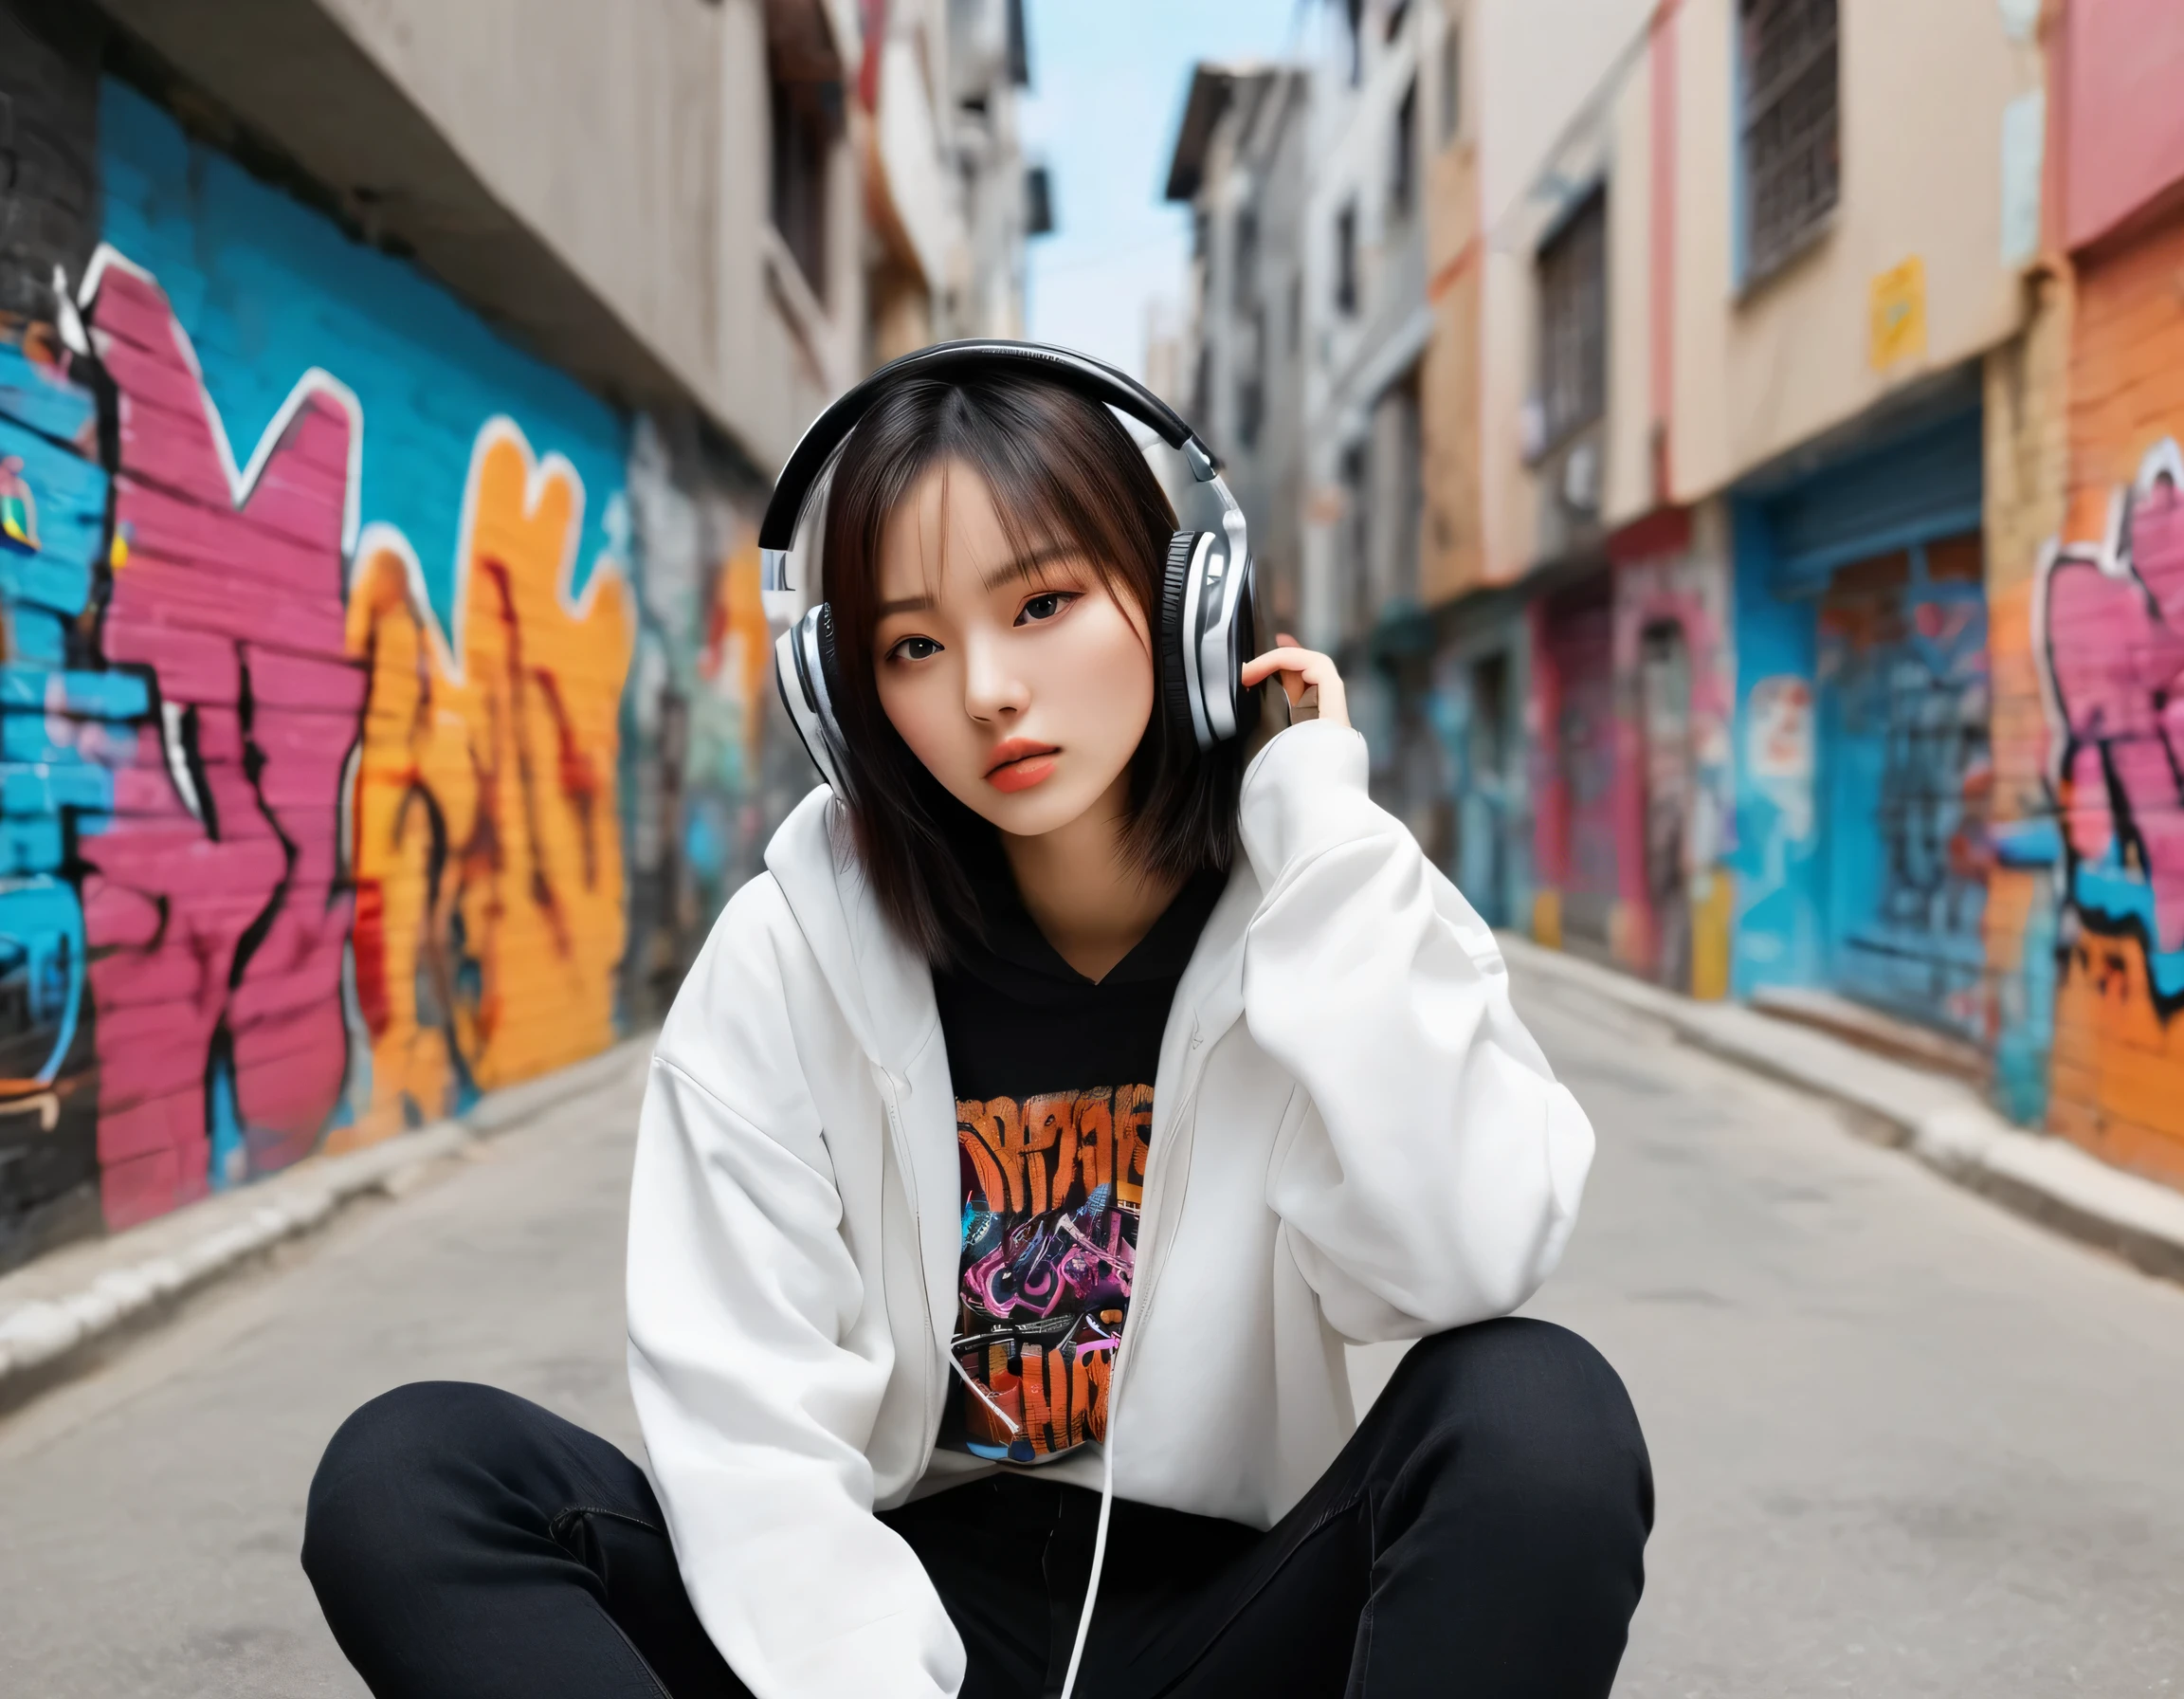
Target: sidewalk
1940, 1121
57, 1312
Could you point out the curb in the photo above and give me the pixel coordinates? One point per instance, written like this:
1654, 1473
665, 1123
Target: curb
1942, 1122
43, 1336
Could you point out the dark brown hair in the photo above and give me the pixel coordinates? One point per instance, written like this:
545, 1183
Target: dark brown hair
1061, 469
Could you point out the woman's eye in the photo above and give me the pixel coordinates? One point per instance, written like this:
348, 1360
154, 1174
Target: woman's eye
1044, 606
915, 648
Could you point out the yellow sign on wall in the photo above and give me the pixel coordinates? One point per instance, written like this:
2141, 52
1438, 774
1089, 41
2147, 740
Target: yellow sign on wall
1897, 315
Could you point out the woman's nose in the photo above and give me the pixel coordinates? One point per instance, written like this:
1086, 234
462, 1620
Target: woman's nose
993, 688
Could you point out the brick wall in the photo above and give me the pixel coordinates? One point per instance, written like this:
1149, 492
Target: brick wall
2103, 627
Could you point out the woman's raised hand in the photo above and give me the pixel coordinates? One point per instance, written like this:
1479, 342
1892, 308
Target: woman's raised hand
1308, 680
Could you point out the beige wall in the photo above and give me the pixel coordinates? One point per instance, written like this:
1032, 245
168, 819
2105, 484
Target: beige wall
631, 138
1537, 62
1924, 86
1451, 554
1627, 483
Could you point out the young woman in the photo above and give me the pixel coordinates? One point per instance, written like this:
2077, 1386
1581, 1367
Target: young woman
1037, 1128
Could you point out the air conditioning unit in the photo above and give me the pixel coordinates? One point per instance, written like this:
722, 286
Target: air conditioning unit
1581, 478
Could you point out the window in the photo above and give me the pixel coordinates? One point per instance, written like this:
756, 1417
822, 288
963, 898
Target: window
1403, 154
1251, 385
1247, 256
1295, 311
1398, 453
1019, 45
804, 115
1355, 537
1451, 83
1791, 126
1038, 201
1355, 12
1346, 260
1573, 323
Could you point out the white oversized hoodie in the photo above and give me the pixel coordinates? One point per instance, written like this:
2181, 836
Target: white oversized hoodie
1353, 1138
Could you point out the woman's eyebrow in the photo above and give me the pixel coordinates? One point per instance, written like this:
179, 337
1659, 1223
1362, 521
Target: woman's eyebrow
1023, 566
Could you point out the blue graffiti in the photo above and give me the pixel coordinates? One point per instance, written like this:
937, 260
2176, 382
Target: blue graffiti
2119, 898
42, 972
61, 731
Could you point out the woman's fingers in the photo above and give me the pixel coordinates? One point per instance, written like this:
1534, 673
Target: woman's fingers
1308, 678
1297, 666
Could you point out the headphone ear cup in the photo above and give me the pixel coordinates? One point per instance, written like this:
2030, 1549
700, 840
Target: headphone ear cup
1175, 640
1247, 701
829, 667
807, 676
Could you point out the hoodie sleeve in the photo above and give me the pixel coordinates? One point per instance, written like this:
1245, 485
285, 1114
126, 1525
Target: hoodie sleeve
1434, 1175
742, 1298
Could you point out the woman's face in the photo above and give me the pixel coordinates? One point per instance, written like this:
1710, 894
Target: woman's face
1019, 680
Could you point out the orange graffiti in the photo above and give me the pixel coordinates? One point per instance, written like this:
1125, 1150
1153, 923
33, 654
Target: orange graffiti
486, 848
737, 659
2117, 1061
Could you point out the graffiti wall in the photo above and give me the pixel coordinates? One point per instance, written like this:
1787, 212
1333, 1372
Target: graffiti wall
1675, 783
2090, 952
2111, 639
1904, 728
487, 851
1457, 777
707, 770
324, 763
1572, 740
59, 724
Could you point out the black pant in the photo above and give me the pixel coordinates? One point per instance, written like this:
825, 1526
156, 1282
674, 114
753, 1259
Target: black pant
1481, 1534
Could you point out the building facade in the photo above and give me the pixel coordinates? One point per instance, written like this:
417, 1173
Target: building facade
943, 169
385, 420
2086, 934
1741, 461
1709, 651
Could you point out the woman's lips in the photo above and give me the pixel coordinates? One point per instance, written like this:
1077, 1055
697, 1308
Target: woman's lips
1019, 764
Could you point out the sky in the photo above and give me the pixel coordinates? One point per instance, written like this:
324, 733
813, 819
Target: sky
1108, 77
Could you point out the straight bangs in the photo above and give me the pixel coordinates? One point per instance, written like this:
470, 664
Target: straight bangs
1063, 473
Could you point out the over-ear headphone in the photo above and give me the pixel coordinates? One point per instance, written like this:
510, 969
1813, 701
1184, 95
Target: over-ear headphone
1205, 618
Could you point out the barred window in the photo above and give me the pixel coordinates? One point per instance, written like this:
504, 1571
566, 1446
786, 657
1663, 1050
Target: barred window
1452, 81
1574, 321
1403, 153
1251, 383
1346, 260
805, 117
1791, 126
1244, 283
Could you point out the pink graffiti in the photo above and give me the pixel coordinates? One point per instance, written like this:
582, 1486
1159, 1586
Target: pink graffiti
2114, 653
210, 902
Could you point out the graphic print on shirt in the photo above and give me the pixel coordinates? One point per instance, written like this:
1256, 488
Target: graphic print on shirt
1051, 1192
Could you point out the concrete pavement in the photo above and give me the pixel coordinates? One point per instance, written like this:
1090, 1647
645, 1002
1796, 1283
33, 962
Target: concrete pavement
153, 1510
1905, 1443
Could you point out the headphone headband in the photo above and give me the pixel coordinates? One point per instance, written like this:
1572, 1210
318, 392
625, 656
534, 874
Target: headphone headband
1078, 373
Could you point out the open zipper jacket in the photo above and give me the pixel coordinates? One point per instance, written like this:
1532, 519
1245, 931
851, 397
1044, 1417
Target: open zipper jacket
1353, 1138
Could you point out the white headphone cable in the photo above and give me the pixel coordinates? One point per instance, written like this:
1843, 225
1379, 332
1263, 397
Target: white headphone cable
1099, 1550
